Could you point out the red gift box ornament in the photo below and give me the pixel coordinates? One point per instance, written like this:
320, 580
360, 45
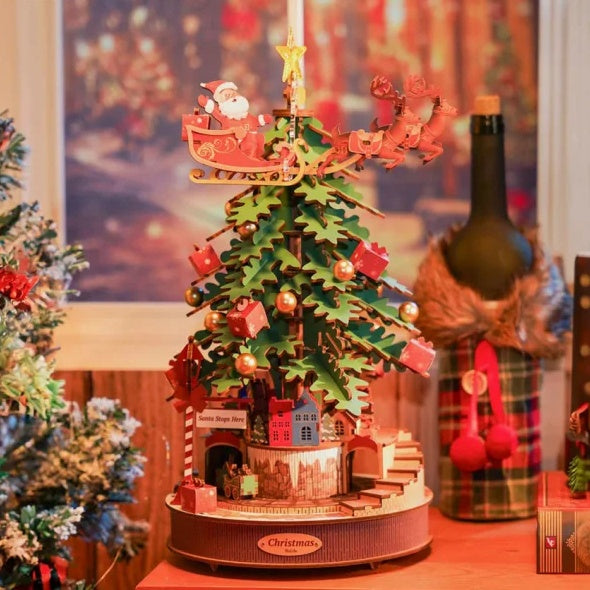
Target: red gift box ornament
195, 120
247, 318
197, 496
370, 259
205, 260
418, 355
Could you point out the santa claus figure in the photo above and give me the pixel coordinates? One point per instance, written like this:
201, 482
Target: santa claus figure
231, 110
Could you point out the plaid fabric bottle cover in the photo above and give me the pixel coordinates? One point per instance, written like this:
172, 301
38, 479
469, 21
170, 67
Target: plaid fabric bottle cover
502, 488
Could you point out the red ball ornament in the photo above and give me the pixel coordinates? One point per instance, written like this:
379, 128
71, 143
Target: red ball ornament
194, 296
286, 302
212, 320
246, 364
344, 270
409, 312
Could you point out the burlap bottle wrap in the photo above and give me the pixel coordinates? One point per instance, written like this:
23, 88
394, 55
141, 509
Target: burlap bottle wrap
502, 489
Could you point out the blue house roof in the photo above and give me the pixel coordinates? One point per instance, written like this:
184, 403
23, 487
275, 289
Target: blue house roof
306, 404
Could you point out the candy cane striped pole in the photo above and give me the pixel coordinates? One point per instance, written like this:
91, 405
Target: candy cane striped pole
188, 441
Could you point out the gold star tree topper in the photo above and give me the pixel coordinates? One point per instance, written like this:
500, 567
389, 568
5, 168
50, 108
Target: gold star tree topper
291, 55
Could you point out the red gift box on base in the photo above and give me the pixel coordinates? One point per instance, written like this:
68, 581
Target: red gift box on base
418, 355
370, 259
204, 260
195, 498
247, 318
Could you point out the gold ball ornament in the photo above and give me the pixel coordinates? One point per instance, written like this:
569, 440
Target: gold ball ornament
246, 364
286, 302
228, 208
194, 296
246, 230
344, 270
409, 311
212, 320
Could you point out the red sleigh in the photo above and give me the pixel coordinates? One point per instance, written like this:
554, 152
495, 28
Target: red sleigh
219, 150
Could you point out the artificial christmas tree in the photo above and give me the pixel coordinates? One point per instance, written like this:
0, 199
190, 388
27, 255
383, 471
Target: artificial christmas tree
63, 472
303, 260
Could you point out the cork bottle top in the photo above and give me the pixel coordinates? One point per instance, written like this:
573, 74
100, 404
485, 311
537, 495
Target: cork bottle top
487, 105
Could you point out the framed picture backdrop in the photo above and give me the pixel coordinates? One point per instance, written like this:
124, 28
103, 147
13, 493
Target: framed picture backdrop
127, 195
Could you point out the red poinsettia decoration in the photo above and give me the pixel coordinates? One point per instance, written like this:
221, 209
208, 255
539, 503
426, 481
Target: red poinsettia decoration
6, 133
15, 285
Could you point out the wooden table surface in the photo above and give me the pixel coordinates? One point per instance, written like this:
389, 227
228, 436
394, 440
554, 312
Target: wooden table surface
479, 556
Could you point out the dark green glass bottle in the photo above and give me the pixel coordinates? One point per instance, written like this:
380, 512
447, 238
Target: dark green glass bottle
488, 253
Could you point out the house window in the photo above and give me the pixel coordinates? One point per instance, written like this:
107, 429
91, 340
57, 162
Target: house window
306, 433
339, 428
275, 435
280, 414
306, 417
297, 417
286, 435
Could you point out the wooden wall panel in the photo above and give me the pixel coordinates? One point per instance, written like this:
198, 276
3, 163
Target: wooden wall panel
161, 438
78, 388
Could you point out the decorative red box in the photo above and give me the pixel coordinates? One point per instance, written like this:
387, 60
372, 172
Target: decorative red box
563, 528
370, 259
247, 318
205, 260
196, 499
196, 121
418, 355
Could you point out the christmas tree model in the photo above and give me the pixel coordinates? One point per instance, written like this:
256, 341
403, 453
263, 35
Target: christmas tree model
297, 325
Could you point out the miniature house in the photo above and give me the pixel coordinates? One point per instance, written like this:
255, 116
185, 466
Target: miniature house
345, 425
294, 424
279, 422
306, 421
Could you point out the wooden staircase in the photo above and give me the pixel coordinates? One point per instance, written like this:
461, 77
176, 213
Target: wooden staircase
404, 480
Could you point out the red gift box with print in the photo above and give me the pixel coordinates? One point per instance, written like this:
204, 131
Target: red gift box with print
370, 259
418, 355
247, 318
196, 498
196, 120
205, 260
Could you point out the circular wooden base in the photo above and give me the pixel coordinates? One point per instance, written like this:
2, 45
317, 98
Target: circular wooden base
302, 541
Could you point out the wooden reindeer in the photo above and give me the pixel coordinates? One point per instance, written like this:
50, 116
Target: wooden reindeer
390, 142
425, 140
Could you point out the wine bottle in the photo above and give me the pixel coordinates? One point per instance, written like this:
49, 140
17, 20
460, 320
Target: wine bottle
488, 253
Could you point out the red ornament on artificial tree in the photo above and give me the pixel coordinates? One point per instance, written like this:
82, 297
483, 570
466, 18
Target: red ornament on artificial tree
205, 260
370, 259
15, 285
247, 318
